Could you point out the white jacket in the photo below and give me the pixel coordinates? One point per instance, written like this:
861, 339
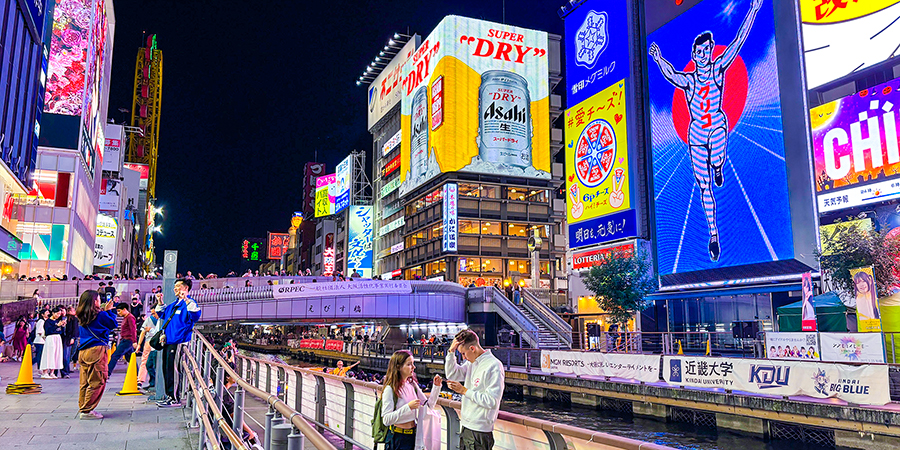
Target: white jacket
391, 413
485, 381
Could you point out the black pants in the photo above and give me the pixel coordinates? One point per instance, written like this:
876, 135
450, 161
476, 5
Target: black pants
398, 441
475, 440
169, 368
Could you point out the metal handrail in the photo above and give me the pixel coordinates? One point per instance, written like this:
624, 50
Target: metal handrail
194, 370
301, 424
528, 327
204, 415
554, 322
564, 430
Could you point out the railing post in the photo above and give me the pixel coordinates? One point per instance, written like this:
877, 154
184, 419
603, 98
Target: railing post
202, 430
237, 423
267, 438
220, 388
295, 440
280, 434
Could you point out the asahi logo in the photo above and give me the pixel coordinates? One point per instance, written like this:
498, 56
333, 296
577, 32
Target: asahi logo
514, 114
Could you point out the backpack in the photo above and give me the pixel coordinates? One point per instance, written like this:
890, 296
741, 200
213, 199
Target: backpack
379, 429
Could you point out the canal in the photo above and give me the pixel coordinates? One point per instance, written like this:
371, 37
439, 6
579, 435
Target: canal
672, 434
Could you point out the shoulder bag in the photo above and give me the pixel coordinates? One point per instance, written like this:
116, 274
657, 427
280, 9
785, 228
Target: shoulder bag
158, 341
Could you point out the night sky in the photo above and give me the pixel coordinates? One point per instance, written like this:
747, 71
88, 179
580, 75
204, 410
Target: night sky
252, 90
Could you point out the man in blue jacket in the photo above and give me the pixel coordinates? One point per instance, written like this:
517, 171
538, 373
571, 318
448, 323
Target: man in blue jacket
184, 313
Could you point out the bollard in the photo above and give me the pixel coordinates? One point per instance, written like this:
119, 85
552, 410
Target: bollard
160, 393
280, 434
238, 423
295, 440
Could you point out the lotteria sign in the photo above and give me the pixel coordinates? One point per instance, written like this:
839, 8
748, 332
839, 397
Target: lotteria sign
589, 258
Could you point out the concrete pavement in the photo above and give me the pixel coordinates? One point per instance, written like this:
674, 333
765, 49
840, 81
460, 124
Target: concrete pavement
47, 421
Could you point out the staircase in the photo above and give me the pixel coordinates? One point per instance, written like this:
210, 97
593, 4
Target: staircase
546, 337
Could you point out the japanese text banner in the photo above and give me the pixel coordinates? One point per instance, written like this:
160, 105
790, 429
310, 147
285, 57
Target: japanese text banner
862, 385
634, 367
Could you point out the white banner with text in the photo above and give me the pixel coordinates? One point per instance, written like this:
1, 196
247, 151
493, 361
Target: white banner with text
852, 347
634, 367
363, 287
863, 385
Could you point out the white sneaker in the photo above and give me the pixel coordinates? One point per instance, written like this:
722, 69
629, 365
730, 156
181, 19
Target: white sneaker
90, 415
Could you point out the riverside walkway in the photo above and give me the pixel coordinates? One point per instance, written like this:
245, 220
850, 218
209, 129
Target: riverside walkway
46, 421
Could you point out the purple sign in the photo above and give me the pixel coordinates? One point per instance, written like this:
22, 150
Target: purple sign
856, 148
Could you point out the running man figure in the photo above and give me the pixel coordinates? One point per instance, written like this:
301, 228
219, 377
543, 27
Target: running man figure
708, 131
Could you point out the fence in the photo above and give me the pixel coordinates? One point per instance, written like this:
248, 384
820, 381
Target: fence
345, 407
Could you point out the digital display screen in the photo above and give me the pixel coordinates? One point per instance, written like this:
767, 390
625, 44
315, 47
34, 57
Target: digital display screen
717, 139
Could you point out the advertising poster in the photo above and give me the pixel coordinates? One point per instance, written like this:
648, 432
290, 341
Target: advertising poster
68, 53
110, 195
868, 318
633, 367
853, 170
311, 171
450, 219
597, 31
719, 173
328, 255
115, 142
342, 184
832, 230
863, 385
325, 189
143, 169
252, 249
386, 91
597, 156
852, 347
105, 243
277, 244
792, 346
476, 99
843, 37
808, 307
359, 248
583, 261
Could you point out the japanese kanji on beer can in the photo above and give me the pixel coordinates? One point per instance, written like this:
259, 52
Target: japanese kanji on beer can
418, 139
504, 122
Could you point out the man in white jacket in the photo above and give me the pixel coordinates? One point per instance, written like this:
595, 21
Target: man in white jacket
484, 377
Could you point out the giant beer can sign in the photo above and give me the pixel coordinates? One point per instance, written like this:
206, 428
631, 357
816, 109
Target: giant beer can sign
505, 119
484, 86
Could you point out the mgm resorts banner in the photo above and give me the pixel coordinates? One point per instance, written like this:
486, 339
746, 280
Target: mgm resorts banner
863, 385
366, 287
634, 367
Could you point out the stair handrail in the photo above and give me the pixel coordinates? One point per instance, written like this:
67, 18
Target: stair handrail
556, 324
519, 320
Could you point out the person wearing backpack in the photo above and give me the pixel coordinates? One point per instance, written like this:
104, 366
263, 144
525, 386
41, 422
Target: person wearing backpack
401, 399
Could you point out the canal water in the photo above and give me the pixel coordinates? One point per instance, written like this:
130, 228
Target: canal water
672, 434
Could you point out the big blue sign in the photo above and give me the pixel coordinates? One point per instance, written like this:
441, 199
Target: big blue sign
717, 138
596, 48
359, 249
611, 227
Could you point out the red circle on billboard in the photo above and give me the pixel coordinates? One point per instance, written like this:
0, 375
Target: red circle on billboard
735, 96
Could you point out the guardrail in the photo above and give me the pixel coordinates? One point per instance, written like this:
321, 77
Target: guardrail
282, 421
345, 407
522, 324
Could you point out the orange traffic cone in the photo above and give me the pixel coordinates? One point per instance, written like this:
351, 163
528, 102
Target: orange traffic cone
25, 384
680, 351
708, 350
130, 387
110, 352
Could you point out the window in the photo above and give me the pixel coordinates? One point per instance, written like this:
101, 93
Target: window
439, 266
522, 266
438, 231
469, 190
417, 238
545, 267
489, 192
538, 196
412, 274
469, 264
490, 228
491, 265
517, 229
515, 193
469, 227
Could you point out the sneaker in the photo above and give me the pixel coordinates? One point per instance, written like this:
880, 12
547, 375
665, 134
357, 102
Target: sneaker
169, 404
165, 400
90, 415
717, 175
714, 248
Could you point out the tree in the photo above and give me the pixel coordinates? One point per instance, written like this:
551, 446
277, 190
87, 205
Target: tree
621, 282
850, 247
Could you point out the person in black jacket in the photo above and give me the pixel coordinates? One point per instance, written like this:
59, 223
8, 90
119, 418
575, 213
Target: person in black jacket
70, 334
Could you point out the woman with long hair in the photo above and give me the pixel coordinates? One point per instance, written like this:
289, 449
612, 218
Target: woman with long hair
38, 344
866, 302
401, 398
20, 338
52, 356
94, 328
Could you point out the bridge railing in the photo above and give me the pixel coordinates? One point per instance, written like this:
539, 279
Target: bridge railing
345, 407
282, 421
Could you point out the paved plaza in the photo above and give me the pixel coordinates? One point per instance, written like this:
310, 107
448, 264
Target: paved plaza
47, 421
